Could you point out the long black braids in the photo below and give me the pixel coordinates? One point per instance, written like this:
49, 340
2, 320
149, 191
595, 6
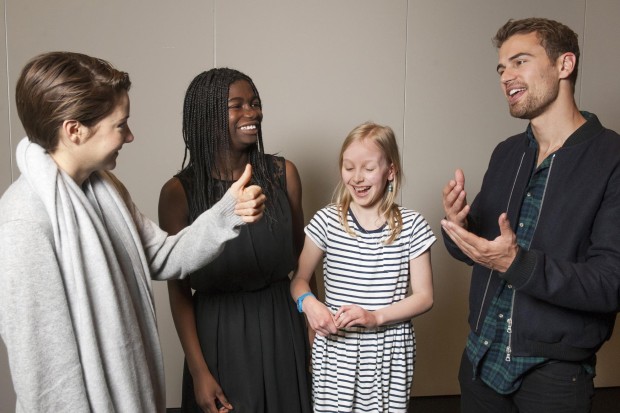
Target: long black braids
207, 140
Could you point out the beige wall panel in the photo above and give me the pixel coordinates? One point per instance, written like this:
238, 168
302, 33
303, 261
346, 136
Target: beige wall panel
5, 131
600, 89
600, 94
424, 67
162, 45
7, 396
455, 115
321, 68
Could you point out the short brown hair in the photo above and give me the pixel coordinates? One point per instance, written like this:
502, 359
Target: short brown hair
58, 86
555, 37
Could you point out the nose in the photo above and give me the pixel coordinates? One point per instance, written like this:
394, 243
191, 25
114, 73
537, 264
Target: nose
507, 76
358, 177
250, 111
129, 137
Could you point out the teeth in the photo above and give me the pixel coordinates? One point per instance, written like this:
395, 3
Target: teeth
248, 127
514, 91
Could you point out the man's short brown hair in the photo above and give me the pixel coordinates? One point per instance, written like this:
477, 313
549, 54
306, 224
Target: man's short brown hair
555, 37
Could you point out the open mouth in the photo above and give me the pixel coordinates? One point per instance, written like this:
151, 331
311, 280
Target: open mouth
361, 190
514, 94
248, 128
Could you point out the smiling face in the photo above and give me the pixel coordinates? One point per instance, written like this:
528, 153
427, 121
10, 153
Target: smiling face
104, 140
529, 79
365, 172
244, 115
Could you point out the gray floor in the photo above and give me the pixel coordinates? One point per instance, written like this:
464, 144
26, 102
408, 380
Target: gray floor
606, 400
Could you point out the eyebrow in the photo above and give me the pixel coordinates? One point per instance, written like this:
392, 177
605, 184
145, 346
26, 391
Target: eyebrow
511, 58
241, 98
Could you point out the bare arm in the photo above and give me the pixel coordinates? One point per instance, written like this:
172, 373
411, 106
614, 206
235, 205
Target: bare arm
319, 317
173, 217
293, 190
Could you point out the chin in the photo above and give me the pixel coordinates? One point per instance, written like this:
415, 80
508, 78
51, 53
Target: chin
364, 202
252, 144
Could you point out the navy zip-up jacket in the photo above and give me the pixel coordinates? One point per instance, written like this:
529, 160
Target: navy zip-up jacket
568, 283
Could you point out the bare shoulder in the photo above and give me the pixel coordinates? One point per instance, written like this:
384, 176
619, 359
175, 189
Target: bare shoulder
173, 209
292, 174
172, 189
290, 166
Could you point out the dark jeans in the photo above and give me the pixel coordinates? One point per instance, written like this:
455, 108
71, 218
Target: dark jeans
554, 387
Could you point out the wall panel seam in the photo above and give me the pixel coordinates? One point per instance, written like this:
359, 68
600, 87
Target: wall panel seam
8, 90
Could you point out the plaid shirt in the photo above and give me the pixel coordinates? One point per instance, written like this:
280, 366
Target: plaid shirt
490, 353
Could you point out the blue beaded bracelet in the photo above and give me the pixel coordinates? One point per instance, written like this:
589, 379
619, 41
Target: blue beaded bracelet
300, 300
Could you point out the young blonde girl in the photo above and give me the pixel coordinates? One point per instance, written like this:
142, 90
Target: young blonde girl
373, 251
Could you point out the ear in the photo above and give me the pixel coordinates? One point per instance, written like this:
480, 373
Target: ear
567, 63
391, 172
73, 131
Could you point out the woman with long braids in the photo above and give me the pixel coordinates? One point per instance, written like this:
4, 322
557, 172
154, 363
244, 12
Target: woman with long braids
245, 344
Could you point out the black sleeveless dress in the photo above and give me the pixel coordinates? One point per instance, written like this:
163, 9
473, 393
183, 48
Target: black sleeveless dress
252, 337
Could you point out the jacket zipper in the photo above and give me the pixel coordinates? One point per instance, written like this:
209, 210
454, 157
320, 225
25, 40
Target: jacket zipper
509, 328
512, 303
486, 289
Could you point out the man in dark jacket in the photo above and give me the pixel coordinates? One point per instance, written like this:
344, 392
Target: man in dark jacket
543, 236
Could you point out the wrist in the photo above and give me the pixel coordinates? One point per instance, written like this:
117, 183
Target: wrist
199, 371
300, 300
379, 317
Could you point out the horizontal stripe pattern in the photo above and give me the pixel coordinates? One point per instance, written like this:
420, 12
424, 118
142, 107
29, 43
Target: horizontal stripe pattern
358, 369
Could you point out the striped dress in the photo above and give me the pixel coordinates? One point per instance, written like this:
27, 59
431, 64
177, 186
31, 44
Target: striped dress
360, 369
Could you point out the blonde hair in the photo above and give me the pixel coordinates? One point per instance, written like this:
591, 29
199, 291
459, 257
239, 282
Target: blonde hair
383, 137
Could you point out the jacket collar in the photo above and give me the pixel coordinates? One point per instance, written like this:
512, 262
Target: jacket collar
591, 128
